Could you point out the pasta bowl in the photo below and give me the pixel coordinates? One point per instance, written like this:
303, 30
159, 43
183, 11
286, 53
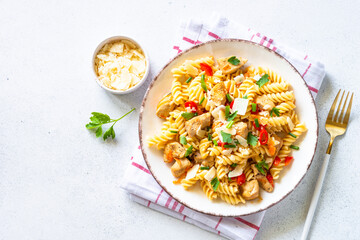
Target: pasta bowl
290, 176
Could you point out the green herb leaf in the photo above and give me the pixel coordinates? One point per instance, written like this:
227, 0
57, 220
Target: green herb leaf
209, 137
228, 97
234, 61
257, 123
226, 137
234, 165
293, 135
189, 79
236, 141
173, 131
227, 111
232, 116
275, 110
245, 97
98, 132
229, 146
294, 147
203, 84
251, 139
215, 183
109, 133
188, 151
229, 125
260, 168
98, 119
188, 115
183, 140
215, 143
202, 100
264, 79
204, 168
253, 107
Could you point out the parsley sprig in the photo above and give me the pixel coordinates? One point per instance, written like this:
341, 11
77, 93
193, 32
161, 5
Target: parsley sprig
261, 165
234, 61
264, 79
215, 183
99, 119
276, 111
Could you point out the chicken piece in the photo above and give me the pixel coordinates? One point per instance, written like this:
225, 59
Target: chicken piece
194, 125
208, 162
218, 94
250, 190
165, 106
278, 143
228, 68
263, 181
180, 167
241, 129
264, 103
173, 150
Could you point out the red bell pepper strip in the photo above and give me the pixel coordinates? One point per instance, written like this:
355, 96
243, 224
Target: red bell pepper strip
277, 161
208, 70
263, 136
270, 179
241, 179
288, 160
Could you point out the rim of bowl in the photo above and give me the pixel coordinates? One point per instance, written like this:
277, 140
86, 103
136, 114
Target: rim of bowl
151, 85
114, 39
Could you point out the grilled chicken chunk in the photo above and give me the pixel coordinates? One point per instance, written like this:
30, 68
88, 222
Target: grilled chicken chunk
208, 162
180, 166
241, 129
264, 103
218, 94
164, 107
228, 68
250, 190
173, 150
264, 183
194, 125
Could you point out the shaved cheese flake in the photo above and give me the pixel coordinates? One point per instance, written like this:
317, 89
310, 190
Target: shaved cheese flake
200, 132
192, 171
290, 123
239, 78
211, 174
257, 77
120, 65
242, 141
240, 105
236, 172
267, 107
219, 112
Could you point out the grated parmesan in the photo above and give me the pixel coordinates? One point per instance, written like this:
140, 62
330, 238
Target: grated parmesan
120, 65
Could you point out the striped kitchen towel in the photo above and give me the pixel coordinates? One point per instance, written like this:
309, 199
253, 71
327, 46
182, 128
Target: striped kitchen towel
145, 190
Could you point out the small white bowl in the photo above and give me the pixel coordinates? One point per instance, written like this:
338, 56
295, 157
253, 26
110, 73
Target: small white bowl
115, 39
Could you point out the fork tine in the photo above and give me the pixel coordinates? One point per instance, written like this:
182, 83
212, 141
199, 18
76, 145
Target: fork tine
338, 108
332, 109
347, 115
343, 108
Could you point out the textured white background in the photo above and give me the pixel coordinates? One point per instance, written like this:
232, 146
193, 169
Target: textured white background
57, 181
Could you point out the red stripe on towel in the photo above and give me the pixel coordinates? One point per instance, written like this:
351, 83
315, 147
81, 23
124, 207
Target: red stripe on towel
168, 202
211, 34
306, 70
140, 167
157, 199
262, 40
313, 89
218, 223
247, 223
188, 40
181, 209
269, 43
174, 205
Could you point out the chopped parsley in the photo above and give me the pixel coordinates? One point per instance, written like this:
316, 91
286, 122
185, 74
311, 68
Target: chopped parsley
229, 125
226, 137
215, 143
209, 137
204, 168
234, 61
276, 111
188, 151
234, 165
202, 100
261, 165
188, 115
203, 84
215, 183
245, 97
173, 131
183, 140
228, 97
251, 139
294, 147
257, 123
253, 107
229, 146
264, 79
189, 79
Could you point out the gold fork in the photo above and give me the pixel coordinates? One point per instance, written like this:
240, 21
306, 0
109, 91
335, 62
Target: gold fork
335, 125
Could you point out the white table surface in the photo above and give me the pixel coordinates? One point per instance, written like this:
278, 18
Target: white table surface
57, 181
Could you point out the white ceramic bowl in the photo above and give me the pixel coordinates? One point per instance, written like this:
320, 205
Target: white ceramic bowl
115, 39
290, 176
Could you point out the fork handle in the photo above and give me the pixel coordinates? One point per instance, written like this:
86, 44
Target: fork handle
315, 197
